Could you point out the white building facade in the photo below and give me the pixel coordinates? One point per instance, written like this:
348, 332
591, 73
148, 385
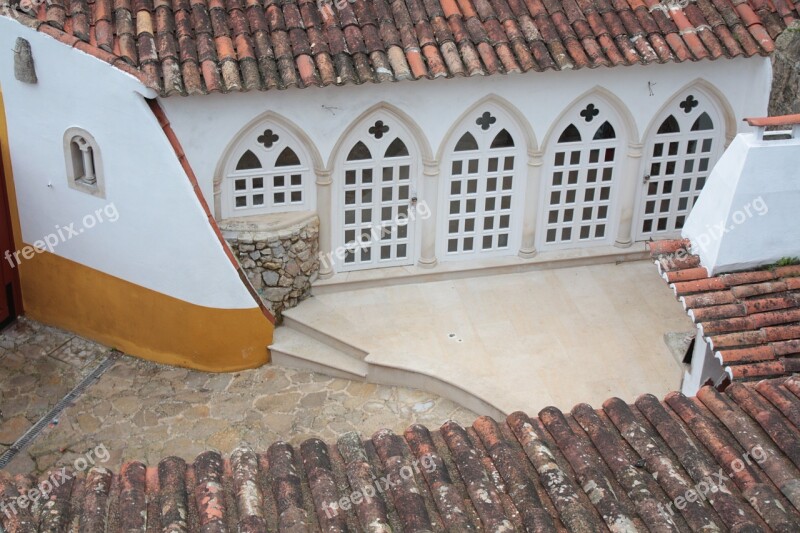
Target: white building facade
498, 166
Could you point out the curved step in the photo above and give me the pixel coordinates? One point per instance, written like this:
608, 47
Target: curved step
313, 312
295, 349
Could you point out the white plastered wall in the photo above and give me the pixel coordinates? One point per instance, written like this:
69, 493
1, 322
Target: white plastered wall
747, 215
161, 240
207, 125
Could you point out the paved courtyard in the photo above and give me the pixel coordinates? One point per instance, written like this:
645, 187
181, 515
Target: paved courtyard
518, 341
525, 341
144, 411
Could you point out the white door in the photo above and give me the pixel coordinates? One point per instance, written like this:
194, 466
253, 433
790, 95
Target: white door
680, 155
482, 191
580, 183
377, 201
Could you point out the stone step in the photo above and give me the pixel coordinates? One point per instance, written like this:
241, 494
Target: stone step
295, 349
318, 322
474, 268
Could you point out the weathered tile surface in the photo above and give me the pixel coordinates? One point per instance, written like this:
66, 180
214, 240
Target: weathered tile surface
751, 319
202, 46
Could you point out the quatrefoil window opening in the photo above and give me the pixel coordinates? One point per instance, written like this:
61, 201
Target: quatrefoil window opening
590, 112
268, 138
485, 121
379, 129
689, 104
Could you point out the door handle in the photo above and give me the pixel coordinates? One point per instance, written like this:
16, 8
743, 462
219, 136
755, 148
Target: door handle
646, 178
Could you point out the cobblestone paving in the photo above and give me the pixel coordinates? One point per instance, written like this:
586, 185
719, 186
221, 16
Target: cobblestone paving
38, 366
144, 411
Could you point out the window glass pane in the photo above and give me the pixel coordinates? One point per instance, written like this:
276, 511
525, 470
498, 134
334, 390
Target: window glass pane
703, 123
502, 140
359, 152
287, 158
570, 135
248, 161
466, 142
605, 131
396, 149
670, 125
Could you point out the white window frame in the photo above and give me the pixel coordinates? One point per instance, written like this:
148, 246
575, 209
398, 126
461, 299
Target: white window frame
377, 147
483, 154
268, 173
685, 121
82, 152
587, 129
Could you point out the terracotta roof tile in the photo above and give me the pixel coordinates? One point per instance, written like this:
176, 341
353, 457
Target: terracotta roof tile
317, 43
751, 319
621, 467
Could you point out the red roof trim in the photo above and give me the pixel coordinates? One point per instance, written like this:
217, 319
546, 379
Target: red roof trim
751, 319
163, 121
784, 120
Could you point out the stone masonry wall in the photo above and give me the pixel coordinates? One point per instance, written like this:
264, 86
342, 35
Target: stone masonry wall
785, 96
281, 264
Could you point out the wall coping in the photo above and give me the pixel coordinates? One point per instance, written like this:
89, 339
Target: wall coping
262, 227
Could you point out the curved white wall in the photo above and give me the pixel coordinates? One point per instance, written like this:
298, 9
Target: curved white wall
161, 240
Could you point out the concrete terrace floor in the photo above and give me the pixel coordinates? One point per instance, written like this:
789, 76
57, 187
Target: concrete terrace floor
520, 341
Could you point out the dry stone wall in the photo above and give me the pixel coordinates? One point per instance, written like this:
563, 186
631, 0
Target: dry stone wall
280, 263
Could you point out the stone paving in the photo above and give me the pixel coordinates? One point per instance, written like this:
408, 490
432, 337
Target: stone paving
144, 411
38, 366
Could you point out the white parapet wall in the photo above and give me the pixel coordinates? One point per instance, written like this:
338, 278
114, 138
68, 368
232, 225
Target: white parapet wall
749, 211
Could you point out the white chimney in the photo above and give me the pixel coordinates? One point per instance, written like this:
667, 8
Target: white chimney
748, 213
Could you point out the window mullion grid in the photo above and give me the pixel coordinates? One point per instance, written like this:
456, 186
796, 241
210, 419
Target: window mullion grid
496, 196
600, 226
351, 230
399, 200
388, 228
366, 254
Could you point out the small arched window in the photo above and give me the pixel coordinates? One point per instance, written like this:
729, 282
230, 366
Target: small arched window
84, 168
268, 173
